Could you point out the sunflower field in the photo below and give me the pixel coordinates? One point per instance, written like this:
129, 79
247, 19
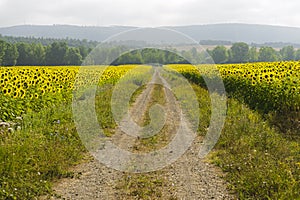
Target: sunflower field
263, 86
259, 145
266, 86
31, 88
41, 99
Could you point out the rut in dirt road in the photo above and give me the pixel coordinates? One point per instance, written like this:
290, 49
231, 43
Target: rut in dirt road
181, 174
173, 128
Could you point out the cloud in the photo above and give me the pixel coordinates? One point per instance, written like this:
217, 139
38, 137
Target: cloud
148, 13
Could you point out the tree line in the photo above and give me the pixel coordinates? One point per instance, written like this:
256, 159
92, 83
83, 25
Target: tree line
60, 53
241, 52
30, 54
158, 56
48, 41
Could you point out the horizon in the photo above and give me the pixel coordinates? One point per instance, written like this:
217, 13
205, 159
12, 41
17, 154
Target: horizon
184, 25
233, 32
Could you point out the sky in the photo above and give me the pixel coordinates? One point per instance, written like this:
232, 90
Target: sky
149, 13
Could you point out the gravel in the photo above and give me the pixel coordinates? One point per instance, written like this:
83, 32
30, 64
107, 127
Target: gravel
189, 177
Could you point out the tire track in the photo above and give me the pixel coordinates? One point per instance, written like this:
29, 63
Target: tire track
189, 177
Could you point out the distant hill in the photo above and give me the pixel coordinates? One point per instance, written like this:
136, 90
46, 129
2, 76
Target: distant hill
248, 33
64, 31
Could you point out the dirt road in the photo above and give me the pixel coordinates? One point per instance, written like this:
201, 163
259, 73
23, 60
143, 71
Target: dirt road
188, 177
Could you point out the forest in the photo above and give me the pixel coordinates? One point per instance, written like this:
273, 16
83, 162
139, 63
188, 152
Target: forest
22, 51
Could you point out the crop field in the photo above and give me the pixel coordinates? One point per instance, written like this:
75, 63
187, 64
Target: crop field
32, 88
266, 86
259, 148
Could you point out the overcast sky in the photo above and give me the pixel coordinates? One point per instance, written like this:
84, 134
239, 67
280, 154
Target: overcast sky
149, 13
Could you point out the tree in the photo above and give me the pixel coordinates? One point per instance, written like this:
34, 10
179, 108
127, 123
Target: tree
132, 57
239, 52
219, 54
2, 51
11, 55
204, 58
84, 51
195, 56
73, 57
297, 55
149, 56
24, 51
171, 56
187, 55
56, 53
287, 53
267, 54
253, 54
38, 54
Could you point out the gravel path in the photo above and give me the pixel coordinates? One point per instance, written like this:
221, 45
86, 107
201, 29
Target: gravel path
188, 177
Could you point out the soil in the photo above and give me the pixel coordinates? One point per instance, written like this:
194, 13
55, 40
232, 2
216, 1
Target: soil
189, 177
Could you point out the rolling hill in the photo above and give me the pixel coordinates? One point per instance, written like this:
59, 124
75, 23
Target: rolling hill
249, 33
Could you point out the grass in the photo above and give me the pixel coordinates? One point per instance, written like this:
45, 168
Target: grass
103, 106
160, 139
41, 151
259, 161
44, 145
103, 109
142, 186
147, 185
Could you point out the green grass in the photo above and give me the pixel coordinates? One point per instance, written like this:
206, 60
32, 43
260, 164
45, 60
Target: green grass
141, 186
103, 106
146, 185
43, 150
259, 161
45, 144
103, 109
158, 140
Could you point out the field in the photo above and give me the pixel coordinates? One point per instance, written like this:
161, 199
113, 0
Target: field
258, 149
